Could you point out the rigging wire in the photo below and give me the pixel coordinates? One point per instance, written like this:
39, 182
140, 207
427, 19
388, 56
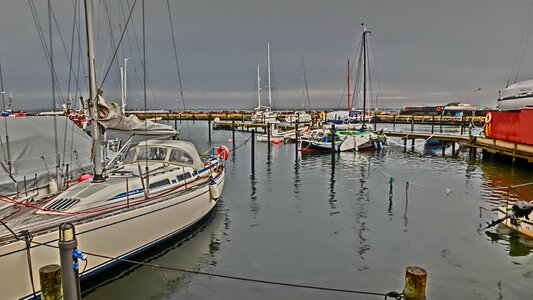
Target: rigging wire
177, 63
118, 46
521, 50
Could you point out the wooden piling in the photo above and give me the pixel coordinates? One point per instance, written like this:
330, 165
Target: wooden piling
415, 283
50, 279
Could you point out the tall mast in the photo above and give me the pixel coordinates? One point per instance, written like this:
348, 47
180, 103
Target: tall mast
59, 179
258, 88
5, 119
93, 95
305, 83
364, 72
269, 84
124, 82
348, 85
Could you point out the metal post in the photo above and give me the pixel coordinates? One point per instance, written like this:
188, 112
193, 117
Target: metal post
440, 123
394, 121
50, 279
253, 150
69, 265
453, 148
375, 121
180, 117
432, 124
175, 123
415, 283
412, 123
332, 139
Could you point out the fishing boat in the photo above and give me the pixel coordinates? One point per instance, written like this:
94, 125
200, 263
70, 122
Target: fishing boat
517, 216
264, 114
161, 189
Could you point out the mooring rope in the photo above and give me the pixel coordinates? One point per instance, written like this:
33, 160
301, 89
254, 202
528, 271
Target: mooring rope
392, 294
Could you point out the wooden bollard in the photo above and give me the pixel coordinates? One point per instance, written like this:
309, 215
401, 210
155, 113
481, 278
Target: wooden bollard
415, 283
50, 279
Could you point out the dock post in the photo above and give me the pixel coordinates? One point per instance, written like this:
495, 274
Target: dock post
332, 139
175, 123
462, 124
415, 283
268, 136
69, 265
296, 141
375, 121
253, 149
50, 279
432, 124
394, 121
404, 143
180, 117
443, 148
412, 123
453, 148
209, 128
233, 132
440, 123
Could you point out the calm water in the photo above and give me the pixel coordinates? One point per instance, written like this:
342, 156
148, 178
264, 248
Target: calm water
316, 221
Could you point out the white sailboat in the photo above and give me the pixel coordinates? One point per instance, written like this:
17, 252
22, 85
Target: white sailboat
264, 114
160, 190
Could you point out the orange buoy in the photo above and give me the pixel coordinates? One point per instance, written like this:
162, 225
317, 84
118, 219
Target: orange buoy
223, 150
276, 141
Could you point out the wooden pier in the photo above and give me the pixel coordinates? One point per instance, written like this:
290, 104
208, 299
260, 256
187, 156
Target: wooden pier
487, 145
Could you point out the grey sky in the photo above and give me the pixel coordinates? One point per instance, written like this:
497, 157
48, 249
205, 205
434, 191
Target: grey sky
426, 51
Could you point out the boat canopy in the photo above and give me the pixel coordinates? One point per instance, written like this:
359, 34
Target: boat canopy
180, 152
519, 89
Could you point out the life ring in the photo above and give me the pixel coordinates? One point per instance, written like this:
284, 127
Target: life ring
223, 151
488, 118
439, 108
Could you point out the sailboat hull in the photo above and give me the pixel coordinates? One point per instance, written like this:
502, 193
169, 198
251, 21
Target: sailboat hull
121, 235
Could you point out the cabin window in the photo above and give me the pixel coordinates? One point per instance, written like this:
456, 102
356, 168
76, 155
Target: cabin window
151, 153
180, 157
130, 156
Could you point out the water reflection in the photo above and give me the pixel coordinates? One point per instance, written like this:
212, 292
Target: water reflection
331, 196
360, 210
296, 185
254, 204
517, 244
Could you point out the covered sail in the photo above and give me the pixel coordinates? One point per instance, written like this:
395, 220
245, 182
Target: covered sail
519, 89
111, 117
31, 151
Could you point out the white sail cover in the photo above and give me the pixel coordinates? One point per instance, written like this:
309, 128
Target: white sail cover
519, 89
111, 117
32, 151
